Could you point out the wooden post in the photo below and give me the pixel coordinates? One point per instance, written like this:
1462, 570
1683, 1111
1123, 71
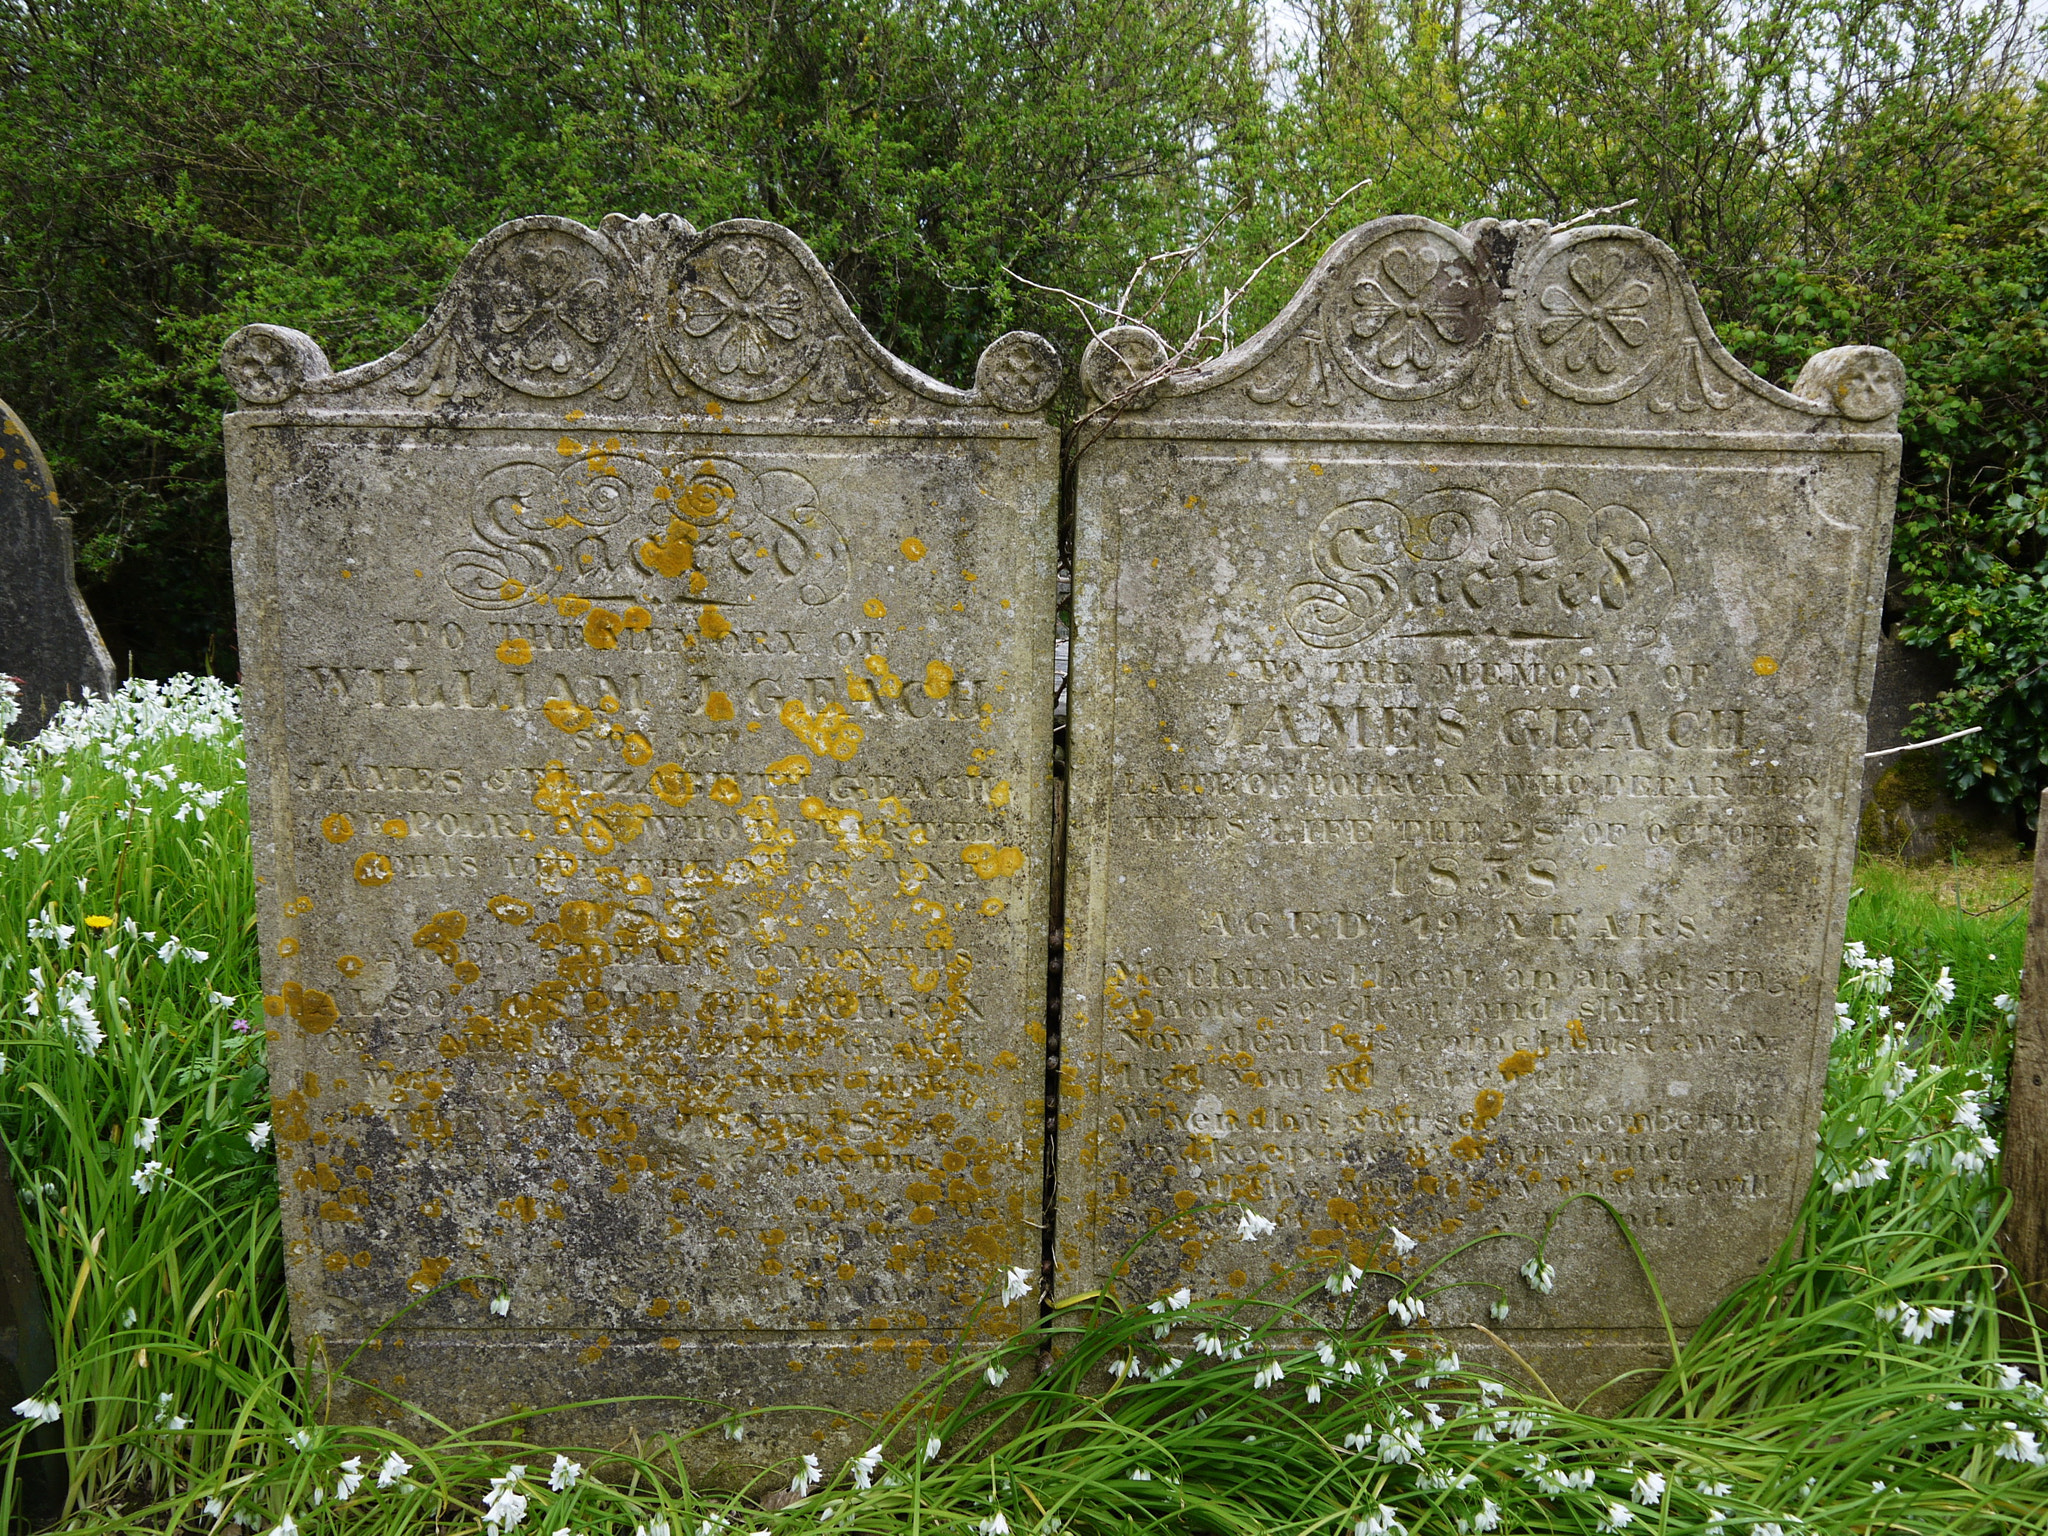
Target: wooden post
2026, 1113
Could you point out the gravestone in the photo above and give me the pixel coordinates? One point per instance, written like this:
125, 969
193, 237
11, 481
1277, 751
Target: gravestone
1470, 683
648, 760
48, 641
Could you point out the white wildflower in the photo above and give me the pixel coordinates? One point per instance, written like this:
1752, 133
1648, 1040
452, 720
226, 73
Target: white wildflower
1343, 1280
1540, 1276
1407, 1309
994, 1525
564, 1474
807, 1475
1252, 1225
259, 1135
1384, 1523
1648, 1489
1140, 1475
864, 1466
1487, 1519
302, 1440
2011, 1377
351, 1479
931, 1449
1267, 1374
1016, 1285
501, 1305
2022, 1445
1618, 1515
145, 1135
285, 1527
1403, 1243
1943, 992
996, 1375
1399, 1446
1499, 1311
505, 1507
145, 1177
391, 1469
39, 1410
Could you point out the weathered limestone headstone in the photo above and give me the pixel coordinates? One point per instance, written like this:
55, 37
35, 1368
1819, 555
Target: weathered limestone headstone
648, 756
47, 637
1471, 675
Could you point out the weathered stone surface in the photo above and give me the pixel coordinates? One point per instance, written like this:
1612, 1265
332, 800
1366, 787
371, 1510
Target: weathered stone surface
648, 754
1470, 685
47, 637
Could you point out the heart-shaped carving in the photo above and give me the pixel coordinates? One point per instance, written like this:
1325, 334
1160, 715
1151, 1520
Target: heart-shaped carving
545, 272
1411, 270
1596, 272
744, 266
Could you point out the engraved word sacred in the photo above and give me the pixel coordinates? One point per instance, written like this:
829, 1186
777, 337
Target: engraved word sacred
1456, 562
602, 523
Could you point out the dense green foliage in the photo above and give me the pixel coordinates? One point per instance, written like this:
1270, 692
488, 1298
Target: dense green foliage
1832, 170
1862, 1381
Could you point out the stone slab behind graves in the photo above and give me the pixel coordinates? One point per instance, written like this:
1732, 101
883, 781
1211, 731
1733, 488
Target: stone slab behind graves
1470, 683
47, 636
648, 766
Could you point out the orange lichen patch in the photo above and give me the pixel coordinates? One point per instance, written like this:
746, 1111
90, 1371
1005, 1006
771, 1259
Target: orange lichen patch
938, 679
890, 685
874, 608
467, 971
350, 966
297, 908
712, 624
636, 749
913, 548
510, 909
672, 784
671, 554
337, 828
1576, 1028
396, 827
719, 706
428, 1275
571, 606
511, 591
568, 715
516, 651
670, 1341
792, 769
991, 862
374, 869
1487, 1106
313, 1010
828, 732
636, 618
440, 934
288, 946
1520, 1064
725, 790
999, 795
992, 906
601, 629
1764, 666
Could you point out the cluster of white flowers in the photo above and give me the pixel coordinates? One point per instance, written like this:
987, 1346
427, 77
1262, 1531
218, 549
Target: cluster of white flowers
125, 728
1870, 974
1874, 1171
1541, 1277
1916, 1324
1407, 1310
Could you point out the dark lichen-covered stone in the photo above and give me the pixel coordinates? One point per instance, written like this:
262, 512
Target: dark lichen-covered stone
648, 760
48, 640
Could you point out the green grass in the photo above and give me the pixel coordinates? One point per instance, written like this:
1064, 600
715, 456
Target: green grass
1813, 1401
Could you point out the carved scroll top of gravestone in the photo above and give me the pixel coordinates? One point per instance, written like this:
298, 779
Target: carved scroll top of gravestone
638, 312
1495, 319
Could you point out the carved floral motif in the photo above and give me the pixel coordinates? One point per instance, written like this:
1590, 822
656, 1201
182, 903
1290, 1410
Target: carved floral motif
547, 312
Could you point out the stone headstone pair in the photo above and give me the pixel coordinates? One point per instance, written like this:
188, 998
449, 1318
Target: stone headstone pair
649, 687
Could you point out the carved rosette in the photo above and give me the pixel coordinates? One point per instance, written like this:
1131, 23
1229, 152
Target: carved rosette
1597, 317
740, 320
1018, 371
268, 364
1405, 318
547, 310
